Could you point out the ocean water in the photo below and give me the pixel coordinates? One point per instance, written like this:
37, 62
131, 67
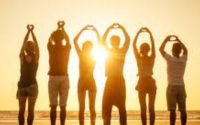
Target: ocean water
73, 115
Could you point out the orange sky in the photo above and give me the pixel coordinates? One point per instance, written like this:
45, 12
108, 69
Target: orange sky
163, 17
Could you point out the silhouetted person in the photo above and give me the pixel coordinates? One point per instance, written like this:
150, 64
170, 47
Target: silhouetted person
27, 85
146, 83
86, 80
58, 73
176, 64
115, 88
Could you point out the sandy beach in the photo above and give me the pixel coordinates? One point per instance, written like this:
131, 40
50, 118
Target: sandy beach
98, 122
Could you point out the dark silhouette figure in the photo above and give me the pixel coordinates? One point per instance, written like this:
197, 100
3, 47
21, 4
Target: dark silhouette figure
58, 73
86, 80
146, 83
176, 64
115, 88
27, 85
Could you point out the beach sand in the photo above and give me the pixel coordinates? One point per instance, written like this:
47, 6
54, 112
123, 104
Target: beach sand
98, 122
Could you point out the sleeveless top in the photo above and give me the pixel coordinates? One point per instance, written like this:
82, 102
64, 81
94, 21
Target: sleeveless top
28, 74
145, 66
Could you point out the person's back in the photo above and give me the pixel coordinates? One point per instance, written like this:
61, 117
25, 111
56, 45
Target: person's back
58, 60
86, 82
176, 69
58, 72
27, 85
115, 88
176, 93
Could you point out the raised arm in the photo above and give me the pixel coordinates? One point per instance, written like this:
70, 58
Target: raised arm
37, 52
97, 33
135, 49
153, 51
78, 50
185, 50
103, 40
66, 37
21, 55
162, 47
127, 38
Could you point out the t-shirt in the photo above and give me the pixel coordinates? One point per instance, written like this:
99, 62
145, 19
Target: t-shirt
176, 69
86, 65
115, 63
28, 74
145, 66
58, 60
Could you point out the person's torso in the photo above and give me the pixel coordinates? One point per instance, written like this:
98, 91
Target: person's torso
28, 74
176, 70
115, 63
145, 67
58, 61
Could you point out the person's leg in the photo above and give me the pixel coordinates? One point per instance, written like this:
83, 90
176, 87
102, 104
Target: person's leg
182, 105
53, 98
53, 114
62, 115
122, 114
106, 109
22, 106
142, 100
171, 103
152, 96
92, 98
183, 117
31, 106
63, 92
81, 98
172, 117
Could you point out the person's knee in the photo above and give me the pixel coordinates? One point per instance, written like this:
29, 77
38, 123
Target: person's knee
62, 108
53, 109
183, 112
172, 112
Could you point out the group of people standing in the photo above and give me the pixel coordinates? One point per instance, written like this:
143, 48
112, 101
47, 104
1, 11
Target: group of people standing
59, 48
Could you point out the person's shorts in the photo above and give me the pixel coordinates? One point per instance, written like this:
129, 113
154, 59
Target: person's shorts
146, 84
85, 84
114, 92
28, 92
176, 95
58, 87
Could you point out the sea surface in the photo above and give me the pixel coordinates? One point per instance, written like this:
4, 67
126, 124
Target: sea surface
73, 115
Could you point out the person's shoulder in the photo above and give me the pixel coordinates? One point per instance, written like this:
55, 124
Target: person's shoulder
184, 57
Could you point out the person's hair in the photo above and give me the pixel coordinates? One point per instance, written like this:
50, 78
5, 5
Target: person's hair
58, 36
115, 40
29, 47
144, 47
176, 48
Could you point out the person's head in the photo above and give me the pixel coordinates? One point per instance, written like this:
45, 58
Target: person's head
115, 41
58, 36
29, 48
144, 49
176, 49
87, 47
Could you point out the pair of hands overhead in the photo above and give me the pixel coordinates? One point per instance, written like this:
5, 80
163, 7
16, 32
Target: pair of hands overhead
30, 27
89, 27
172, 38
115, 26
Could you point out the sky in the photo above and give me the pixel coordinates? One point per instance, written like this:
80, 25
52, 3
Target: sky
162, 17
